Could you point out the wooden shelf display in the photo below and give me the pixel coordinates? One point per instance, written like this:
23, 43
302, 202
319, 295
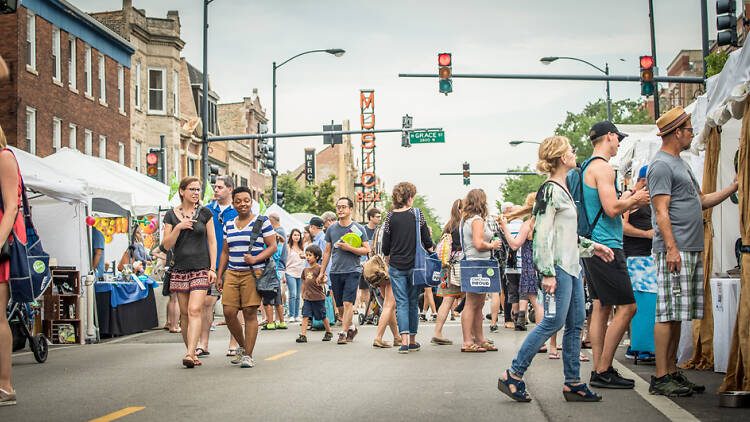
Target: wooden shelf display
61, 319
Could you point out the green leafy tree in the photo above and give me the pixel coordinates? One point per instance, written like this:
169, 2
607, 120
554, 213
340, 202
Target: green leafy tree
516, 188
577, 125
430, 216
314, 199
715, 62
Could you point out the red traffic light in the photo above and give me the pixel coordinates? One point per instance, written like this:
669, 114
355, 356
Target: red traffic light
444, 59
647, 62
152, 158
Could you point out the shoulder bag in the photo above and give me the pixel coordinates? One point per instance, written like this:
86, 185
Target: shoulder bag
374, 270
427, 265
269, 280
478, 275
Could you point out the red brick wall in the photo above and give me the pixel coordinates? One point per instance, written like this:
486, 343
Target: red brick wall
52, 100
9, 52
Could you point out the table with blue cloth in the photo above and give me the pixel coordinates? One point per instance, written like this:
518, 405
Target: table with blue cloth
126, 308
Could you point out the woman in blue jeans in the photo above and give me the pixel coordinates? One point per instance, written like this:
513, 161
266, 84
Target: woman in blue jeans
557, 248
295, 263
400, 248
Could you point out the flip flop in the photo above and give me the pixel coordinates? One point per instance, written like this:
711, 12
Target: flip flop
585, 345
583, 358
473, 348
542, 349
197, 362
489, 347
554, 356
202, 352
231, 352
188, 362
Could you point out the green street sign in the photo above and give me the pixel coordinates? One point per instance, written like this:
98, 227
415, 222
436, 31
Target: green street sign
427, 137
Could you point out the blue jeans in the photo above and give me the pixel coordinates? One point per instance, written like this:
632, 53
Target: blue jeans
407, 300
571, 312
295, 286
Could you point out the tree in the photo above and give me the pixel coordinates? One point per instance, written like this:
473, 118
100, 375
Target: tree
516, 188
577, 125
313, 199
430, 217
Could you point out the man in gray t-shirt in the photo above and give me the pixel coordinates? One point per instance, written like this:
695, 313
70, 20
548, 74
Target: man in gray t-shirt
677, 204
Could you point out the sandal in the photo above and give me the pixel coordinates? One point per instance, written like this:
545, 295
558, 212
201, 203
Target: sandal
197, 362
178, 330
583, 358
440, 341
520, 394
200, 352
580, 392
559, 347
554, 355
473, 348
231, 352
489, 347
188, 362
542, 349
585, 345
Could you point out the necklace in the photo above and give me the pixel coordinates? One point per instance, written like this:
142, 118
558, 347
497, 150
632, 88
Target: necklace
184, 217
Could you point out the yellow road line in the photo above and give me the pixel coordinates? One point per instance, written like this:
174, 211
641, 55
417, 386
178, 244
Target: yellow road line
282, 355
117, 415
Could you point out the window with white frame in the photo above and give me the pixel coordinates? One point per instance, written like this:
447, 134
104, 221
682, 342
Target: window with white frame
56, 134
102, 146
88, 142
176, 92
121, 87
73, 137
191, 166
138, 152
30, 130
121, 153
102, 79
87, 69
30, 39
138, 85
72, 63
56, 53
156, 85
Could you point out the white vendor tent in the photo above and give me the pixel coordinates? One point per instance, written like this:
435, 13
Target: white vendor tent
288, 222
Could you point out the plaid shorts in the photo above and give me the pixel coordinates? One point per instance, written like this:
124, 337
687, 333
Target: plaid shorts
679, 296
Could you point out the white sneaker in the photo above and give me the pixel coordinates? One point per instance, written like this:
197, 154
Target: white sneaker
239, 354
247, 362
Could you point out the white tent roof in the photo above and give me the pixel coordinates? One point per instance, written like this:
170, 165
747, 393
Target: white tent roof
287, 221
40, 177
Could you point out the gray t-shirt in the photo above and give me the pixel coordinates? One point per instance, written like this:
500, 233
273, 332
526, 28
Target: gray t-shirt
343, 261
470, 252
670, 175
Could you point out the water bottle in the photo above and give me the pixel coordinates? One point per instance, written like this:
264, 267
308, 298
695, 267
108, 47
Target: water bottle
550, 307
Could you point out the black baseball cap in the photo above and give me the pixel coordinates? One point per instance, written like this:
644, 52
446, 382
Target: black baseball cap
317, 222
604, 127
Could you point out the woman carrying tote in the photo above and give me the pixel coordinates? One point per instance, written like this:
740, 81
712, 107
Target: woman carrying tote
189, 231
400, 246
295, 263
557, 248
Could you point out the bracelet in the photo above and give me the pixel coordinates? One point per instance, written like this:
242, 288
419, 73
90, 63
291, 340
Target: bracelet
211, 269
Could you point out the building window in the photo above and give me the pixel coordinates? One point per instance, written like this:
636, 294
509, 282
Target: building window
87, 69
156, 84
56, 134
121, 87
176, 92
177, 165
56, 53
30, 40
73, 137
121, 153
30, 130
191, 166
88, 141
138, 156
243, 181
102, 79
138, 85
102, 146
72, 63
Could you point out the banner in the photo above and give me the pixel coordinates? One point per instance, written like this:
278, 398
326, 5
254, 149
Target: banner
310, 165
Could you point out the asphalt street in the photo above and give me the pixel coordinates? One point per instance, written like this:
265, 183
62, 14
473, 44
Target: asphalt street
140, 378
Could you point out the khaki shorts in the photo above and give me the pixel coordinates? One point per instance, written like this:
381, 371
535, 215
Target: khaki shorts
239, 289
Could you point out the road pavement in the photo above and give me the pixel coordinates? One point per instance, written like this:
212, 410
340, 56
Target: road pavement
140, 378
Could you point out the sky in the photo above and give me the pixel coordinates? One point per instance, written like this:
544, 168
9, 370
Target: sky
384, 38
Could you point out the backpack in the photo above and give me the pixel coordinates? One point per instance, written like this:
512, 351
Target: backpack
574, 180
444, 248
375, 270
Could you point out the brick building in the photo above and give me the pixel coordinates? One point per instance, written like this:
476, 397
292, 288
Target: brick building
243, 118
217, 151
69, 84
155, 79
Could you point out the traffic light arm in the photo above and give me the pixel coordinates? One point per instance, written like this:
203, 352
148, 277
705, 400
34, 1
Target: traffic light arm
305, 134
613, 78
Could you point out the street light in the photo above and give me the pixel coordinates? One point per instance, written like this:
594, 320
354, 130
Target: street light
338, 52
516, 143
548, 60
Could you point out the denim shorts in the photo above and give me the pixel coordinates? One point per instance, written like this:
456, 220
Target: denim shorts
344, 286
314, 309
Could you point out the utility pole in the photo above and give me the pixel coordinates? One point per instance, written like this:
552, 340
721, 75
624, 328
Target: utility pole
609, 99
274, 172
704, 33
653, 55
204, 103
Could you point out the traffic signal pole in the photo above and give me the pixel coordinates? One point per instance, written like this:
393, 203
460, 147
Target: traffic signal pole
653, 56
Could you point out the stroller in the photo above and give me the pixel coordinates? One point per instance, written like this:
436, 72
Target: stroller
21, 320
373, 308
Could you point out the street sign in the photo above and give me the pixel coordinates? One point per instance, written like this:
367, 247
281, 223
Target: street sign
332, 139
427, 137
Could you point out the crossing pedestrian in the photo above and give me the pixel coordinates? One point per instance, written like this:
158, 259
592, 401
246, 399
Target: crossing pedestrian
557, 247
313, 295
189, 231
513, 276
363, 294
344, 258
477, 244
387, 318
295, 263
677, 204
450, 289
609, 282
400, 246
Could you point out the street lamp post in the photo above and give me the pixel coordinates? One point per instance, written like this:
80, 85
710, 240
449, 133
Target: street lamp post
516, 143
336, 52
204, 104
550, 59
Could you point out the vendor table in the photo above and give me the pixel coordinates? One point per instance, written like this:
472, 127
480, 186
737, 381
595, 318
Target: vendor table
126, 308
725, 296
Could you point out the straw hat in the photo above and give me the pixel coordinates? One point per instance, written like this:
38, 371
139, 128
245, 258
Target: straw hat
671, 120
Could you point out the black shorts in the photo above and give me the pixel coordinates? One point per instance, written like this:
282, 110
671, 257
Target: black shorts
314, 309
363, 285
609, 282
272, 298
344, 286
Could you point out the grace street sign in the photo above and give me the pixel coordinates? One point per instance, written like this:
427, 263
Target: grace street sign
427, 137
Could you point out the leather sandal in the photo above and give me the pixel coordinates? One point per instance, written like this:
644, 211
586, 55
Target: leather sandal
580, 392
520, 394
489, 347
188, 362
473, 348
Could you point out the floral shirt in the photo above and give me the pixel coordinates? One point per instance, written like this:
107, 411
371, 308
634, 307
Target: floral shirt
556, 240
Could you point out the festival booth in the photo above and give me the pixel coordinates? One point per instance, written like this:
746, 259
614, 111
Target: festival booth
125, 303
288, 222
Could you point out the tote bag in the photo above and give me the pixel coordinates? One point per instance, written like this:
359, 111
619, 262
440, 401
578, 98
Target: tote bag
426, 265
478, 275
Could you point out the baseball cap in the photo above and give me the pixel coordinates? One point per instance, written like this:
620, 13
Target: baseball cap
642, 172
604, 127
317, 222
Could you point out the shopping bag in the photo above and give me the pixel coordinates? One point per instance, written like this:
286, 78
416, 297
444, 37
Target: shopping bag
330, 314
480, 276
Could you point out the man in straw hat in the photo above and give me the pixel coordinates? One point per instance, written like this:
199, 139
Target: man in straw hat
677, 202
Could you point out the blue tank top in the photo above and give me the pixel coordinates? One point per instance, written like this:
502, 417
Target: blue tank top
608, 230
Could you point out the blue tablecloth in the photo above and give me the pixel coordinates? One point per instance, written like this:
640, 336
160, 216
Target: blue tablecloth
123, 293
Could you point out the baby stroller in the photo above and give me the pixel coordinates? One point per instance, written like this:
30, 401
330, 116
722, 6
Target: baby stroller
373, 308
21, 320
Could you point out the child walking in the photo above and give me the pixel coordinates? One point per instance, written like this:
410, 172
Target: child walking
313, 295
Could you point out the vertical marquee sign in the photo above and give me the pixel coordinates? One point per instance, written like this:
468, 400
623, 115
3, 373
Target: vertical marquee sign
310, 165
369, 195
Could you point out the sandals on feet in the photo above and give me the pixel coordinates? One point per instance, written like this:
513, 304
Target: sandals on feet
583, 358
200, 352
489, 347
188, 362
473, 348
585, 345
542, 349
520, 394
580, 392
554, 355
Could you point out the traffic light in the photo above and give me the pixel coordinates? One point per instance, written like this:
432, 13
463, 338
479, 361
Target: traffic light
280, 198
445, 63
647, 75
265, 155
467, 174
8, 6
726, 22
152, 163
213, 171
